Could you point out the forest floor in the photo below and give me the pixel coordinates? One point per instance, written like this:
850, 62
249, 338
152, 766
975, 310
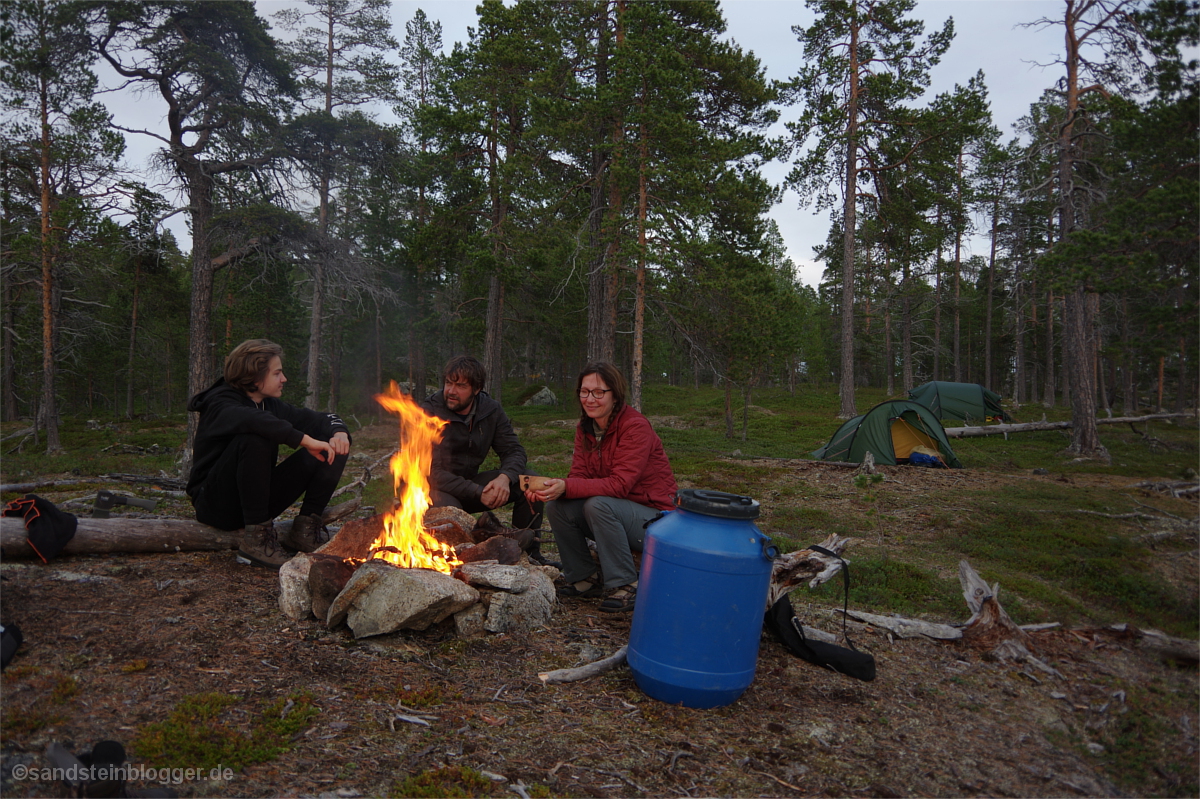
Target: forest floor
187, 660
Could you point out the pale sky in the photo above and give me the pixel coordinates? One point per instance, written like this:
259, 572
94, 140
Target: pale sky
987, 37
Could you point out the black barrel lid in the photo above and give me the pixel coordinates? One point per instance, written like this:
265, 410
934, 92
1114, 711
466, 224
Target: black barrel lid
717, 503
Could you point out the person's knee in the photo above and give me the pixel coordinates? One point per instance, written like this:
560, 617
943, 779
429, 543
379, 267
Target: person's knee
443, 500
596, 508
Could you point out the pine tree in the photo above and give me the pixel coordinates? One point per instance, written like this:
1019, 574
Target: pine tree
863, 59
339, 61
62, 141
225, 86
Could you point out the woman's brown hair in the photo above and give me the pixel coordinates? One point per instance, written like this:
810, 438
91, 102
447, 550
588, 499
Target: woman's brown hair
246, 367
612, 378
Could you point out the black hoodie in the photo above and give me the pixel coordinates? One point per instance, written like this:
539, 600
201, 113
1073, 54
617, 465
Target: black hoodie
466, 442
226, 412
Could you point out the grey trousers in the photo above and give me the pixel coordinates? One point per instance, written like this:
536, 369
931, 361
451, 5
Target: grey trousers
616, 525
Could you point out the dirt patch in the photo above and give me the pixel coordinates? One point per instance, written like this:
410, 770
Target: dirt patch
137, 634
115, 643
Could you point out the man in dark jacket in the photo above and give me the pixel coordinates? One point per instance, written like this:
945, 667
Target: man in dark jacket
235, 482
477, 425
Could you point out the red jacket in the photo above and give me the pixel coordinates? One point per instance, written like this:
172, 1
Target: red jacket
629, 463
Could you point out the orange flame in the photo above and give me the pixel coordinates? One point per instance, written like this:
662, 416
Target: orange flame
404, 541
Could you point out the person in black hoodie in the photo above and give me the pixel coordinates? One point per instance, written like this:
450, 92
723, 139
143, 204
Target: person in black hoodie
235, 482
477, 425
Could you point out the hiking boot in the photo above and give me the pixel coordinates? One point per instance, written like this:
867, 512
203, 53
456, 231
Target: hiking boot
259, 546
535, 555
307, 533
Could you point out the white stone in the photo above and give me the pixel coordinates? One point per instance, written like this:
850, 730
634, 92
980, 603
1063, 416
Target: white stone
295, 600
469, 622
490, 574
381, 598
543, 397
525, 611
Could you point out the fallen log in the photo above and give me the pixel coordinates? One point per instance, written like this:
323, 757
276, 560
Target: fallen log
1031, 427
583, 672
124, 535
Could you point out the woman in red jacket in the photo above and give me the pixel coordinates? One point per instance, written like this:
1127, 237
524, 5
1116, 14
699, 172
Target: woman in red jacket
620, 479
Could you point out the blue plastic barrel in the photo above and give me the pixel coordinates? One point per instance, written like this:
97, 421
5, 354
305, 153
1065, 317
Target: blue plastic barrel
702, 593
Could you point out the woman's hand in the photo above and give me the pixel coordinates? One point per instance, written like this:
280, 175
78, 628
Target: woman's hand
340, 443
551, 490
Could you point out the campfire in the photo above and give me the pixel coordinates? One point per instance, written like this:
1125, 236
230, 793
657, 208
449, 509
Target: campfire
416, 566
404, 541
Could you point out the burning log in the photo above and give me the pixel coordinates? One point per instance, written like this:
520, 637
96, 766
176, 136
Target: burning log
95, 536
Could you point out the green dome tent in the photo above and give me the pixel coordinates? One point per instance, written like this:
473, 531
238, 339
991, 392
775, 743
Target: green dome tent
889, 431
970, 402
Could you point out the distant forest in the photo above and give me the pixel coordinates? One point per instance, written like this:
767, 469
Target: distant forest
582, 180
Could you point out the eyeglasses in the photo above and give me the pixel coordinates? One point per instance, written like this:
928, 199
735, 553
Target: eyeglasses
595, 393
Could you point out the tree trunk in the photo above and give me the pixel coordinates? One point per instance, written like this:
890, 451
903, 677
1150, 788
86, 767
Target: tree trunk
1078, 316
958, 370
937, 302
493, 340
991, 282
601, 337
728, 404
137, 271
1018, 390
639, 304
377, 384
849, 221
745, 411
8, 385
1036, 427
201, 368
312, 400
1048, 398
888, 358
906, 351
1078, 338
96, 536
48, 412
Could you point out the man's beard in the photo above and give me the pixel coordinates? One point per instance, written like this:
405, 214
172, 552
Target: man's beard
460, 405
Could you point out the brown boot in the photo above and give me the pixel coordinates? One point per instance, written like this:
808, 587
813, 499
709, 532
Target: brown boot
260, 547
307, 533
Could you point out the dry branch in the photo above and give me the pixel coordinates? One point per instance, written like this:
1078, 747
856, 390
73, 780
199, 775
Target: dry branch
366, 475
583, 672
22, 488
1176, 488
908, 628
